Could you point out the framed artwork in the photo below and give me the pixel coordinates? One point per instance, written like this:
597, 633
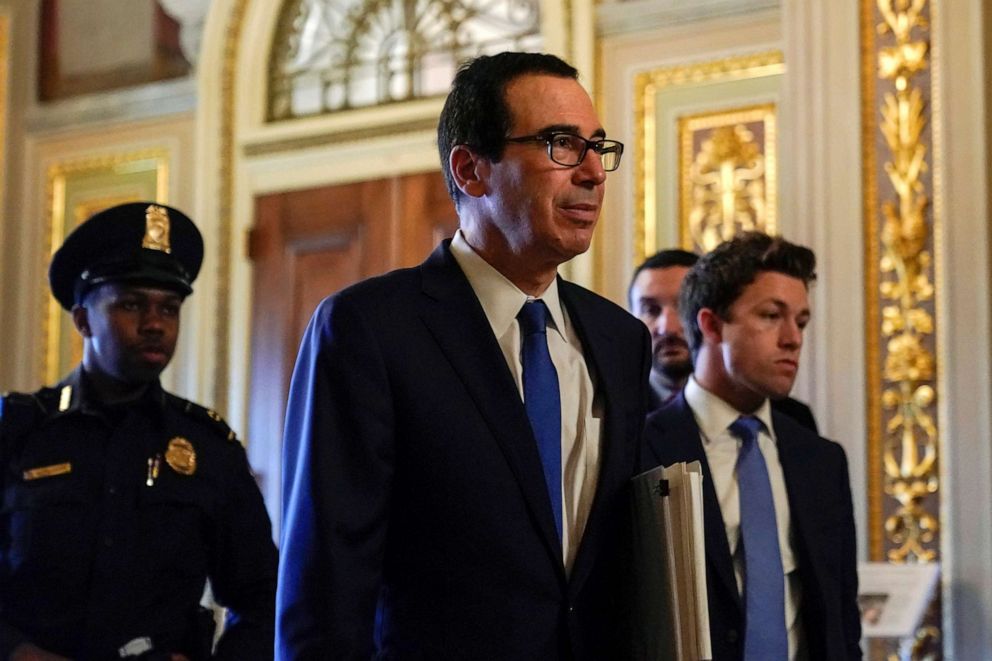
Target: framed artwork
727, 175
76, 190
706, 156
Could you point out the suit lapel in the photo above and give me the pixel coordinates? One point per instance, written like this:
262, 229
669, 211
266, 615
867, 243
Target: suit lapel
599, 349
678, 441
800, 483
457, 321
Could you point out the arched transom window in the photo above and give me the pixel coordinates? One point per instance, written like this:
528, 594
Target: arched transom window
332, 55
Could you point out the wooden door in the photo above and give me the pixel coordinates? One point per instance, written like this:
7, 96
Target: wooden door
306, 245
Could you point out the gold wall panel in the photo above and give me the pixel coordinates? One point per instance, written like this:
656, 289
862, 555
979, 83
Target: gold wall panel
77, 189
727, 175
899, 118
711, 80
4, 67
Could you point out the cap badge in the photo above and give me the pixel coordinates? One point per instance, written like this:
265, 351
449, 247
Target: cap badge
181, 456
156, 229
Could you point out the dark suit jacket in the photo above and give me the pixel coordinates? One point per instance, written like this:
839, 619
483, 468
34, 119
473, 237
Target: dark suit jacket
822, 514
417, 522
793, 408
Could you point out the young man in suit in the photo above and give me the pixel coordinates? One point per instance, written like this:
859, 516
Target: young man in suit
653, 297
458, 434
779, 523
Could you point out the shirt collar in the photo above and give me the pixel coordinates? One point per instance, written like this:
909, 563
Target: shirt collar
714, 415
501, 299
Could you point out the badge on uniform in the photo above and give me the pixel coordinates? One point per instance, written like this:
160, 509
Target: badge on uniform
47, 471
181, 456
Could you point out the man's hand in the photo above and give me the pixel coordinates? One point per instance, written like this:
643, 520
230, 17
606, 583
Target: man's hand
29, 652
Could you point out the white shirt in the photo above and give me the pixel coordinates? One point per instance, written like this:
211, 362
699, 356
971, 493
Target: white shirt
581, 409
714, 416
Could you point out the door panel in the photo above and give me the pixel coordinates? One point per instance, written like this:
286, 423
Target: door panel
306, 245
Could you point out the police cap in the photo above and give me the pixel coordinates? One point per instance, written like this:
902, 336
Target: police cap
141, 242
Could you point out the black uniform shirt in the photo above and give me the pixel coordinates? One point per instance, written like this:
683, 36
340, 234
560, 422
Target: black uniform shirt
112, 519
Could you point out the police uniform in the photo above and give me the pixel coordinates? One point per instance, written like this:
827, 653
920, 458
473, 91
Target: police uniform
114, 516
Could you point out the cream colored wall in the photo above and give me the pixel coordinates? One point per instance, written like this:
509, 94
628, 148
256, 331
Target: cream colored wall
964, 268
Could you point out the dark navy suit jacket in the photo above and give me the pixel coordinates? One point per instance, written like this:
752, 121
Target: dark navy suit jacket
819, 493
417, 523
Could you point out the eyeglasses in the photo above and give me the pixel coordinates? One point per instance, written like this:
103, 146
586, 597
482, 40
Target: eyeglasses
569, 149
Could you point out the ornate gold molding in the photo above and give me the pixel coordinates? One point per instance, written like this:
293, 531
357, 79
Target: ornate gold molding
647, 85
312, 140
899, 119
225, 210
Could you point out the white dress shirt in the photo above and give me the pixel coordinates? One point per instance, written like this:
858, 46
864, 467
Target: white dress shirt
714, 416
581, 409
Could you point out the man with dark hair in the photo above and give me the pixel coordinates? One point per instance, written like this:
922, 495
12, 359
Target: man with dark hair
458, 435
477, 112
653, 298
120, 500
779, 523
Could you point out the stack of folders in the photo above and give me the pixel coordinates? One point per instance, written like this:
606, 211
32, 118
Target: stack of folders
669, 616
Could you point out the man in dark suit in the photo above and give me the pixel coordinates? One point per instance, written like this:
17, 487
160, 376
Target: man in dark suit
458, 434
653, 297
779, 523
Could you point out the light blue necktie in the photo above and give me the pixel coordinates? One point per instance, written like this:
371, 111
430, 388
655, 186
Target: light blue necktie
765, 637
541, 398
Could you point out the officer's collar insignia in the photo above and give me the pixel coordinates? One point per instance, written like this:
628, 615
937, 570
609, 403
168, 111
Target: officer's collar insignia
65, 398
181, 456
156, 229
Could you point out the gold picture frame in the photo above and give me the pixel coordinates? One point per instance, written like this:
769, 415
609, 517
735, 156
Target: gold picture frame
663, 96
77, 189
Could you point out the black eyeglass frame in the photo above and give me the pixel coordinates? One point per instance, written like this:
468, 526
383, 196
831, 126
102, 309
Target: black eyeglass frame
600, 146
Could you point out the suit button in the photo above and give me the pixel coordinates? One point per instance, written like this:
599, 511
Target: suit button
108, 541
571, 609
732, 636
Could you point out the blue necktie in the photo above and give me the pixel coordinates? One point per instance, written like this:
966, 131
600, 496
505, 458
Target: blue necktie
541, 397
765, 637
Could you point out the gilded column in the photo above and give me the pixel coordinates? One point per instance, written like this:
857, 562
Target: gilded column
900, 230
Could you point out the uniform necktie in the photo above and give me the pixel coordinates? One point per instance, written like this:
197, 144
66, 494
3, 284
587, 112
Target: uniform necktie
541, 398
765, 637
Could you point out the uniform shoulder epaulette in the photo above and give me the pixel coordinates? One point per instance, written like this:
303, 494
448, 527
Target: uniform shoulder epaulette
208, 416
20, 412
36, 400
48, 398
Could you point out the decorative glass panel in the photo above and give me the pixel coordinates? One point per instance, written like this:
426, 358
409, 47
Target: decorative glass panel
332, 55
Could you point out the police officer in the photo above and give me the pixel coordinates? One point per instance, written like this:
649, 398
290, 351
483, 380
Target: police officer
119, 499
